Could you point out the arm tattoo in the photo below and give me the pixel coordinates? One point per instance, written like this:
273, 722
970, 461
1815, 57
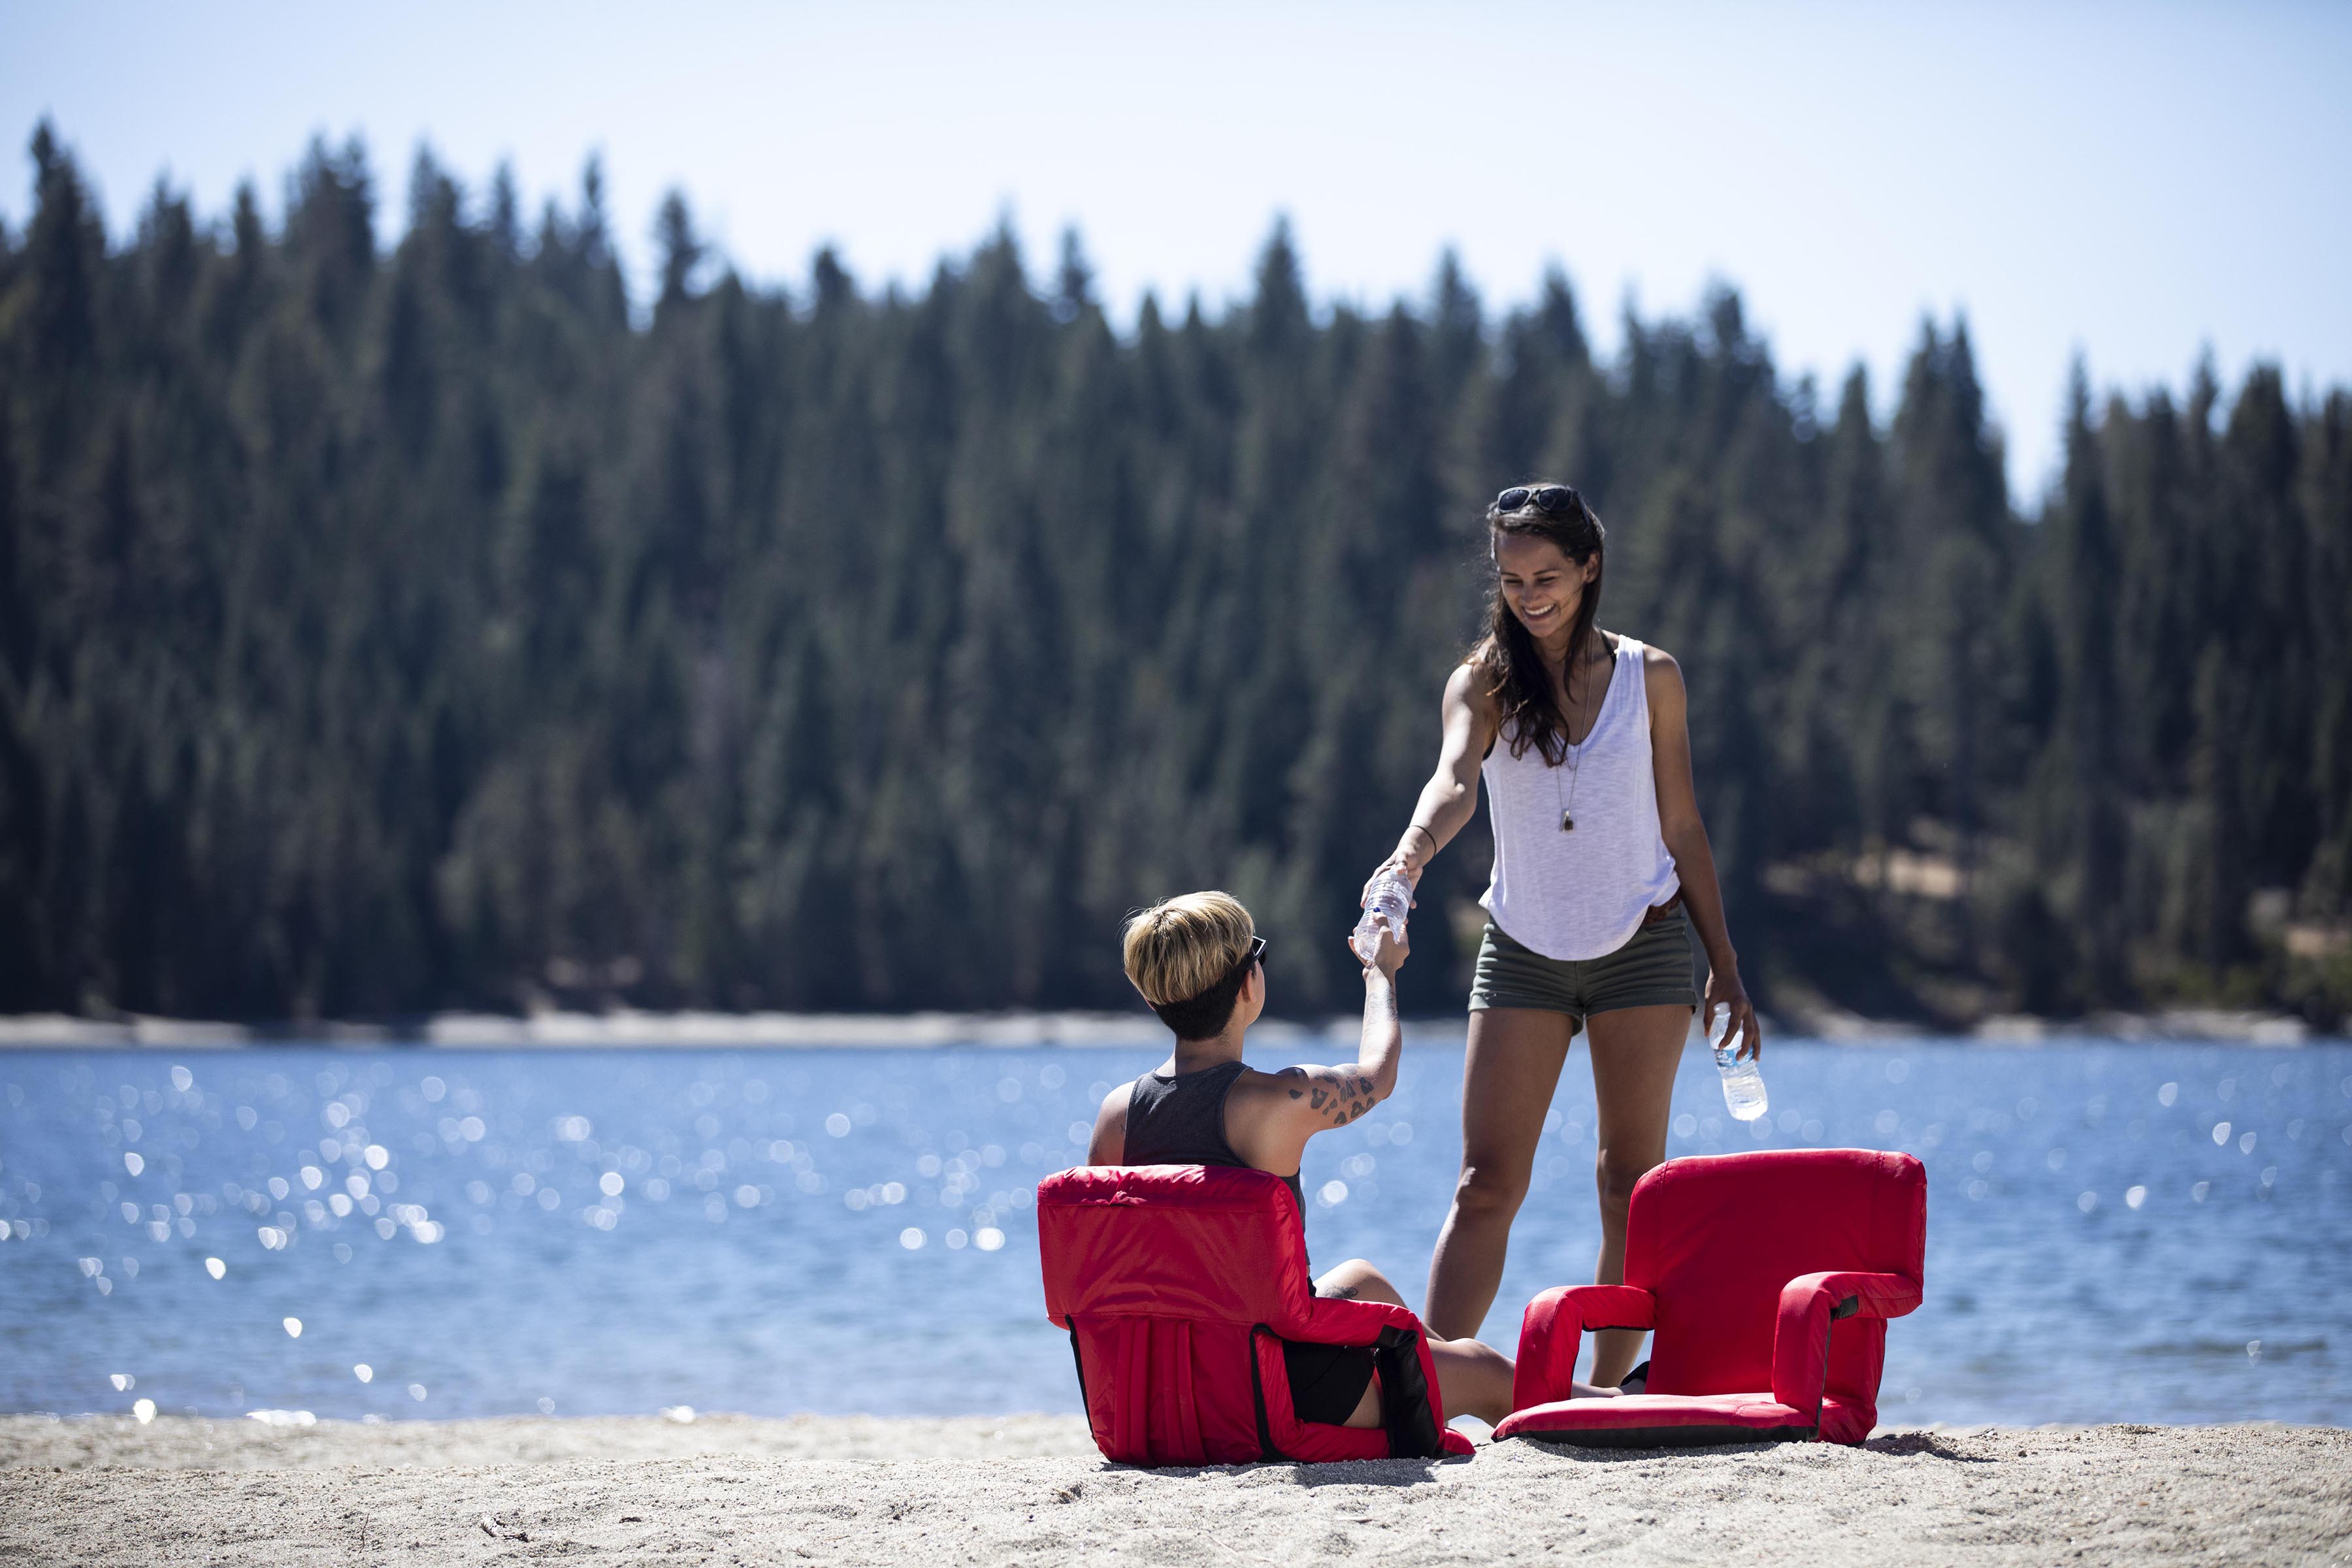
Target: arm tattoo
1341, 1097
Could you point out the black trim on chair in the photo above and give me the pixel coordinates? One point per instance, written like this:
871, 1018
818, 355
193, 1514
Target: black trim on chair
1267, 1451
1844, 1309
1080, 1363
1670, 1436
1405, 1405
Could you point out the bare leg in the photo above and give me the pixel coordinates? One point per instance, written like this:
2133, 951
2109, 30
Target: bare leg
1473, 1379
1513, 1065
1357, 1280
1635, 1053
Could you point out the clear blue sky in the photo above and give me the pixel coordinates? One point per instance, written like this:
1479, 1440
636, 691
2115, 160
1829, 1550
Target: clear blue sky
2135, 182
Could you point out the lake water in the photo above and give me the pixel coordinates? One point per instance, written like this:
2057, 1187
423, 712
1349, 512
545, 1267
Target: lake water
2116, 1231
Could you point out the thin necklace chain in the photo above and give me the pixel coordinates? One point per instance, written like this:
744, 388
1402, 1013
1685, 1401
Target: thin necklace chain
1573, 758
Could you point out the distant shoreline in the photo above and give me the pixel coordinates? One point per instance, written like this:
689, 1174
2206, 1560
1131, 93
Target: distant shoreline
627, 1030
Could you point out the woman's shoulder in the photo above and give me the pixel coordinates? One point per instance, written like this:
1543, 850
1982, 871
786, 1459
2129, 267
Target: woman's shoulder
1259, 1089
1653, 657
1662, 678
1108, 1144
1470, 682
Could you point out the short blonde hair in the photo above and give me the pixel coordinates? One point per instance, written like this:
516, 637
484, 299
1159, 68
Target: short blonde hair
1180, 947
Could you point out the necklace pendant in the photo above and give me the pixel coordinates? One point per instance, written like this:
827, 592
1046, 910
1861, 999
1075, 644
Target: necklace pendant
1566, 822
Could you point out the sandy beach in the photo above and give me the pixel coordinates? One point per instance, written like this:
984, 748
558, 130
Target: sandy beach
1030, 1489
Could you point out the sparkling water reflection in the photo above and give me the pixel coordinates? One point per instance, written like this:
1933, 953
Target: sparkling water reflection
2116, 1231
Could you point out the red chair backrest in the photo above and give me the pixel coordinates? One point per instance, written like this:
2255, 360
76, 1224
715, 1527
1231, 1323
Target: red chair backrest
1207, 1243
1715, 1237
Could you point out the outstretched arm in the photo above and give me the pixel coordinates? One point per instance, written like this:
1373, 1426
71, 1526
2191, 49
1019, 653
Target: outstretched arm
1289, 1107
1381, 1040
1451, 795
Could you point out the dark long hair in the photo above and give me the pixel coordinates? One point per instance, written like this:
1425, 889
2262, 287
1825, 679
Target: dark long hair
1506, 655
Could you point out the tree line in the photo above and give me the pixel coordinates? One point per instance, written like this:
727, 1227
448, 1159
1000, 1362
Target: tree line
389, 624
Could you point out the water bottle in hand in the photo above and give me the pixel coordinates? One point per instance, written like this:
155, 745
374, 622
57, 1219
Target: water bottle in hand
1743, 1085
1390, 895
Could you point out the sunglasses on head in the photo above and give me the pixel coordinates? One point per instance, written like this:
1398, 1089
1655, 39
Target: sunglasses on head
1543, 497
1256, 953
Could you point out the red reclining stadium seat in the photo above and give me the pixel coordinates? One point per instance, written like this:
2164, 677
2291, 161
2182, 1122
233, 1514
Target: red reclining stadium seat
1179, 1284
1768, 1279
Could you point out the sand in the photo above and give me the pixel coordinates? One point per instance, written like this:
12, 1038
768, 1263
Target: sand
1030, 1489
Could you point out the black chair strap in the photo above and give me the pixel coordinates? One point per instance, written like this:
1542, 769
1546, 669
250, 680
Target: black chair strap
1405, 1405
1267, 1451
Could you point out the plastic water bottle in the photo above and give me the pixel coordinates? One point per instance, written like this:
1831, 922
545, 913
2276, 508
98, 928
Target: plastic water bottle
1743, 1084
1389, 895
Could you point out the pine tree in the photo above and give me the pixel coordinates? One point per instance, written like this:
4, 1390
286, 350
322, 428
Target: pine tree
2092, 844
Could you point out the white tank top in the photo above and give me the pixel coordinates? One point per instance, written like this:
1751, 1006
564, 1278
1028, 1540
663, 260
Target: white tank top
1580, 894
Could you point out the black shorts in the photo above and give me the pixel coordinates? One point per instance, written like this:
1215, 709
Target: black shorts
1326, 1382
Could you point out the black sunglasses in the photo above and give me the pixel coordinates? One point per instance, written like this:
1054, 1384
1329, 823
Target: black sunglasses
1546, 498
1256, 953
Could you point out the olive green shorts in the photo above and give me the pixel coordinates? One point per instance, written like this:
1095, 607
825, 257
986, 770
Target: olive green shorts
1652, 970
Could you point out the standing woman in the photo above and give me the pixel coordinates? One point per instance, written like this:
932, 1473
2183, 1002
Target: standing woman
1601, 872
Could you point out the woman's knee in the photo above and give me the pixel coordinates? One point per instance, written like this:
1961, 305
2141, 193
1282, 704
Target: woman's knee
1358, 1280
1617, 1176
1474, 1378
1494, 1190
1481, 1355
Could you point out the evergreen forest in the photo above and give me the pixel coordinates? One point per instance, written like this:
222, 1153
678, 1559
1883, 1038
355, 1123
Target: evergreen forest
400, 617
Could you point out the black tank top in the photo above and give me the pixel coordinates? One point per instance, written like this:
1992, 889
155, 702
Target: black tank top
1181, 1120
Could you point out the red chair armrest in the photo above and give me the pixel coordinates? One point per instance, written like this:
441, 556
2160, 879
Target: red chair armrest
1810, 1304
1334, 1320
1554, 1327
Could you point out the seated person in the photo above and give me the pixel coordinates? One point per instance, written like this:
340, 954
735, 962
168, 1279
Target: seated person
1196, 958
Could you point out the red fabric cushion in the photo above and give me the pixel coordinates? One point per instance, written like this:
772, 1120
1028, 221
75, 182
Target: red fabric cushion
1664, 1421
1179, 1284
